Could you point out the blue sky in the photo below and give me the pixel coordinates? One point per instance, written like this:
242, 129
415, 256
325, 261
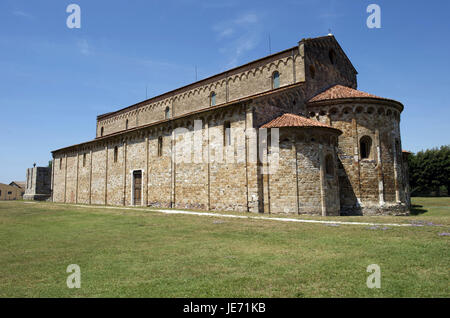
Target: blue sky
54, 81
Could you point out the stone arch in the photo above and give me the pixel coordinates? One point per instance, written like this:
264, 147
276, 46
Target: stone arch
347, 110
389, 113
397, 115
365, 147
233, 78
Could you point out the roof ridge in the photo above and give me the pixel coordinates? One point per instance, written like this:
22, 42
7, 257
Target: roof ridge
339, 91
294, 120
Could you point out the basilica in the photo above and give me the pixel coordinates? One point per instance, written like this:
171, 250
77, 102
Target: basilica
287, 133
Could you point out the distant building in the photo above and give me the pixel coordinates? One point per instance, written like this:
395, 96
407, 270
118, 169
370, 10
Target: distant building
38, 184
19, 184
9, 192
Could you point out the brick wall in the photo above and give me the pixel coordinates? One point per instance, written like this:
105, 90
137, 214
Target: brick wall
375, 181
299, 185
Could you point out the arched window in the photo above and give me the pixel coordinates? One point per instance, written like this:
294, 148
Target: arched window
167, 113
365, 146
116, 152
84, 160
101, 132
275, 79
329, 165
126, 124
60, 163
160, 145
227, 133
213, 99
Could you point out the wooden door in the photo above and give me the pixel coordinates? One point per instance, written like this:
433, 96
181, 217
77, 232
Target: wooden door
137, 176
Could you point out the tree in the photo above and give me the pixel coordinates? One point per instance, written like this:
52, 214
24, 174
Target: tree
429, 171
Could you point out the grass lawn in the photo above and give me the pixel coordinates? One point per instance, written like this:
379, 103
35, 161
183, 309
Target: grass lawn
142, 253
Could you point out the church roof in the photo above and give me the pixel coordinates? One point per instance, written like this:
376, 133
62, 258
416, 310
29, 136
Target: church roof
340, 91
292, 120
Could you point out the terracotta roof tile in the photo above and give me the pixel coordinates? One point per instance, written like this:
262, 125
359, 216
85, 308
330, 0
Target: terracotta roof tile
292, 120
339, 91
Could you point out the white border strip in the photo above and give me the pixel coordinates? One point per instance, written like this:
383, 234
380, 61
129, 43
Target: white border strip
237, 216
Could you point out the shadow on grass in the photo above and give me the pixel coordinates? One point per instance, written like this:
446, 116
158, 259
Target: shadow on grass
417, 209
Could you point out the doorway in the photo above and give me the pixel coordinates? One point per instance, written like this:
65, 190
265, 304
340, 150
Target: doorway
137, 187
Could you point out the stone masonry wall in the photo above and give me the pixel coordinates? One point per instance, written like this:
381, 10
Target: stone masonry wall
169, 180
38, 184
241, 82
366, 185
299, 183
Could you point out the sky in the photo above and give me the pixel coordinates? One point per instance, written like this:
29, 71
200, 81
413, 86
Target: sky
54, 80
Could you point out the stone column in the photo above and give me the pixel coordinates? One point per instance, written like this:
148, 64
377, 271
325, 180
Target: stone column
251, 162
173, 168
396, 183
336, 178
65, 177
90, 176
208, 158
53, 178
32, 178
356, 160
322, 182
106, 174
76, 184
124, 171
379, 168
146, 172
264, 173
296, 173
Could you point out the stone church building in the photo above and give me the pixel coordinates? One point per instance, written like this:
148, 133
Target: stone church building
330, 148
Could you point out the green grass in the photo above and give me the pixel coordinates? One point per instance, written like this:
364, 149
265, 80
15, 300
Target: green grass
141, 253
431, 206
